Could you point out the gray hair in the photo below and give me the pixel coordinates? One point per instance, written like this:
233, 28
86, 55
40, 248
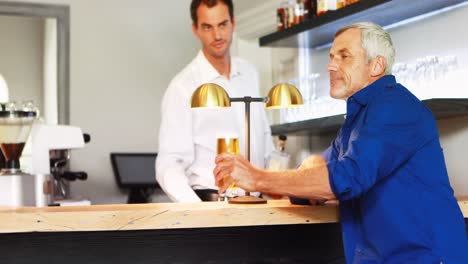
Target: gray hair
375, 41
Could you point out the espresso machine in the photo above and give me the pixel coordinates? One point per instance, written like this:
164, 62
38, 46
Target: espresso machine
17, 188
50, 156
48, 179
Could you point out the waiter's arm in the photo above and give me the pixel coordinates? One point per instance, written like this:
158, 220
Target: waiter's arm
176, 150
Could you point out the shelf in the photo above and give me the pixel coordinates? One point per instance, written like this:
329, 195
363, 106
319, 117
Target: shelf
320, 31
310, 127
441, 107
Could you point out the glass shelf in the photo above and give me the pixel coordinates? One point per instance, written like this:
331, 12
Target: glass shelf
441, 107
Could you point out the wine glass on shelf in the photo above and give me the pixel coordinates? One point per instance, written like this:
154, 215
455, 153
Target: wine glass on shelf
419, 81
311, 98
430, 74
313, 78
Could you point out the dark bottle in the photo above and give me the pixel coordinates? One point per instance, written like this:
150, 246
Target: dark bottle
280, 18
310, 9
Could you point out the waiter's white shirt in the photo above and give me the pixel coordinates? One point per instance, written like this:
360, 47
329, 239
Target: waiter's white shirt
3, 90
187, 137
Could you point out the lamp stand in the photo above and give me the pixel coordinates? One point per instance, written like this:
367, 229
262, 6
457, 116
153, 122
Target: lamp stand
248, 199
213, 95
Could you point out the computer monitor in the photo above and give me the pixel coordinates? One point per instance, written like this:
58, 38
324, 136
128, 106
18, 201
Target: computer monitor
136, 172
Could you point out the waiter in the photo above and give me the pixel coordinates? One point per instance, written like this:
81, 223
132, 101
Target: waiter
187, 137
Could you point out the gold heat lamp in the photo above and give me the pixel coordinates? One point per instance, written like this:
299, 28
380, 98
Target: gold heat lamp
211, 95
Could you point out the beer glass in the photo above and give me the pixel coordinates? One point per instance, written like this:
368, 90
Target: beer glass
229, 145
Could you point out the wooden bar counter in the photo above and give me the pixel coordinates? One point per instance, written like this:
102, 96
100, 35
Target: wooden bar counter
210, 232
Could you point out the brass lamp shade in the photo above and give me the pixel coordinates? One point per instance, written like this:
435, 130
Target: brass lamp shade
210, 95
284, 95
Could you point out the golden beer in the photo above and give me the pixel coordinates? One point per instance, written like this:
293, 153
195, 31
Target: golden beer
229, 145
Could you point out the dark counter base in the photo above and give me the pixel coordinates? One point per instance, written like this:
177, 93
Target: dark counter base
285, 244
314, 243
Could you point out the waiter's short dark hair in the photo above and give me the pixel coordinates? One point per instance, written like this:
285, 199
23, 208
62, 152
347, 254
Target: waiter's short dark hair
210, 3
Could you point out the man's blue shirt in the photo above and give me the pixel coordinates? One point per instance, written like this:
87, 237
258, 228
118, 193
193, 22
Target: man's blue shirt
387, 168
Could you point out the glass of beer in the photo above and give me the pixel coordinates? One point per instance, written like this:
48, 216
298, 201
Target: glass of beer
229, 145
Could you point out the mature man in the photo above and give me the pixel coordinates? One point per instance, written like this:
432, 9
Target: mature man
386, 165
187, 137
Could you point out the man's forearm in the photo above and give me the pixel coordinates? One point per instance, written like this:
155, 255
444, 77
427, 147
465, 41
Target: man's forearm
310, 183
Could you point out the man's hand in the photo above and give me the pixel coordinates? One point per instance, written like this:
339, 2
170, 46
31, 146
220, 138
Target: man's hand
234, 169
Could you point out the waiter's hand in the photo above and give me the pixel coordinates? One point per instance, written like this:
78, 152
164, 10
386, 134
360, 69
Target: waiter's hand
234, 169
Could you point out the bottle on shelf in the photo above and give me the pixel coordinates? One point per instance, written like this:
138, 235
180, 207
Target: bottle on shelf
349, 2
310, 9
293, 12
283, 16
340, 4
298, 12
280, 18
332, 5
322, 7
279, 158
290, 6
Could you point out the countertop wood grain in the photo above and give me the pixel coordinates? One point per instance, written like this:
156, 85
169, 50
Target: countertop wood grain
166, 216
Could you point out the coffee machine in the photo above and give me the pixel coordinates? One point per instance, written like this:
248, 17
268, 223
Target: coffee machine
50, 156
16, 186
48, 180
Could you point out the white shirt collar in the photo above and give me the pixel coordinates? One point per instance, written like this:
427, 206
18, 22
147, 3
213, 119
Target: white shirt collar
209, 72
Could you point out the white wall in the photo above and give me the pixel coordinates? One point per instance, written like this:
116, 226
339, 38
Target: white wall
439, 35
123, 55
21, 45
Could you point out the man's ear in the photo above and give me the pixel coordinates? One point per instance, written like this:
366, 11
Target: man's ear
233, 21
195, 30
378, 66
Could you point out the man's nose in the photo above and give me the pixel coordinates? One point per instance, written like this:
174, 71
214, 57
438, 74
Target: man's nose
217, 33
332, 66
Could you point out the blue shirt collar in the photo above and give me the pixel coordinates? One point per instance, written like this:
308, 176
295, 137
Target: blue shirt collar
364, 95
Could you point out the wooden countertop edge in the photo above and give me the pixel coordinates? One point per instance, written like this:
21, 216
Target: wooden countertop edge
166, 216
161, 216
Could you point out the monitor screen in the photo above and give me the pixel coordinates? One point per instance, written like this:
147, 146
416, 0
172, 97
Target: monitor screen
134, 169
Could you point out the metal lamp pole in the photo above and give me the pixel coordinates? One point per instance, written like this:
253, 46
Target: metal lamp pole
247, 100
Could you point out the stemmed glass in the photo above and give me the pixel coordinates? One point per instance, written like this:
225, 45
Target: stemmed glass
313, 77
420, 82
